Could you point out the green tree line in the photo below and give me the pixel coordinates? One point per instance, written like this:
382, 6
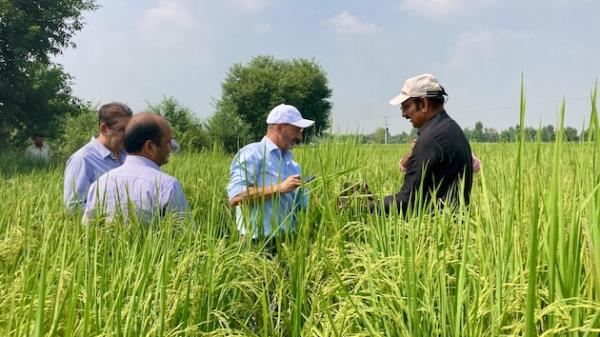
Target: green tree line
478, 133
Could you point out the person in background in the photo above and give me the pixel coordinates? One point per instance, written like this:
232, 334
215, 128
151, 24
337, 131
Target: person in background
175, 146
139, 184
265, 176
97, 157
38, 150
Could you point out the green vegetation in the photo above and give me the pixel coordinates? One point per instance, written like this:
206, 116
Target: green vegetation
35, 93
524, 259
251, 91
187, 130
478, 134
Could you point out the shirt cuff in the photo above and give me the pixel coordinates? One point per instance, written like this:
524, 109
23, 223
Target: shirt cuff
235, 191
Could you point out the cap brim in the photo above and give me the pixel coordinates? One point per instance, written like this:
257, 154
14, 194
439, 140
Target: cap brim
399, 99
303, 123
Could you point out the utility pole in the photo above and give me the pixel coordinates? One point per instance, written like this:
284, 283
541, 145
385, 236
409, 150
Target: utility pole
385, 127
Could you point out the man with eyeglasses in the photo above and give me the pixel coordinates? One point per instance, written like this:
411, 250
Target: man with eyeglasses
441, 160
264, 176
139, 186
101, 154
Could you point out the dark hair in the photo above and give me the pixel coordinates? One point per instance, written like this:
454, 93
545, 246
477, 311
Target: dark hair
436, 98
137, 133
436, 101
38, 134
109, 113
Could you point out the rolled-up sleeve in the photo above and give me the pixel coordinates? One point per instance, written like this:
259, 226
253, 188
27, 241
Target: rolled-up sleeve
242, 174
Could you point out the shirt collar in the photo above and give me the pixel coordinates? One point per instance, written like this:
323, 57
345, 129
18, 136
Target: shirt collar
432, 121
270, 147
44, 146
103, 151
133, 159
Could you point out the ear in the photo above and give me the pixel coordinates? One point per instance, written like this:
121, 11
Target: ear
148, 146
103, 128
424, 103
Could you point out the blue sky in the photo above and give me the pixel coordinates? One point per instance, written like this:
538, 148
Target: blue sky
139, 51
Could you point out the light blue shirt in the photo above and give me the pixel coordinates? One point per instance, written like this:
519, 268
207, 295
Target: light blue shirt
263, 164
83, 168
137, 184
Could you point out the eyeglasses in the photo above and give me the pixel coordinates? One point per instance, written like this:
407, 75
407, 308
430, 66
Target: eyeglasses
403, 108
120, 130
299, 129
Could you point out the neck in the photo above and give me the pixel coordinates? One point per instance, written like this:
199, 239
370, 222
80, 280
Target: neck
276, 140
104, 141
435, 112
145, 155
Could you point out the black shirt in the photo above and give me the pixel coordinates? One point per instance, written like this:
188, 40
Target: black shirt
441, 157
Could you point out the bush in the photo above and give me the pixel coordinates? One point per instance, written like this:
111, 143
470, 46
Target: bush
187, 130
228, 130
77, 132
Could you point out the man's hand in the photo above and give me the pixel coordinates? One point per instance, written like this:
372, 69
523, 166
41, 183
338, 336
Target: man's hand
289, 184
252, 193
403, 164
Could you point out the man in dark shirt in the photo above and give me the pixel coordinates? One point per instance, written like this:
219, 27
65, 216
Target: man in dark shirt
441, 155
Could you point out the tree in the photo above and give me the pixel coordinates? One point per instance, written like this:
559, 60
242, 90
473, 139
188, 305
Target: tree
77, 131
509, 135
548, 133
179, 116
35, 93
379, 136
571, 134
477, 133
228, 130
251, 91
490, 135
187, 130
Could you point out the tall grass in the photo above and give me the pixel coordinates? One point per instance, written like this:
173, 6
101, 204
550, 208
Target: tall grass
523, 259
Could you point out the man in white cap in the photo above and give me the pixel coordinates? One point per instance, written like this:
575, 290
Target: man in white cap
441, 157
264, 176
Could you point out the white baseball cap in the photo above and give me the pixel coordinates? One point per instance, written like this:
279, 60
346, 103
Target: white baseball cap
287, 114
422, 85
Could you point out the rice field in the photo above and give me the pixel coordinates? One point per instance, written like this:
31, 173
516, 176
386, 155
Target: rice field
523, 259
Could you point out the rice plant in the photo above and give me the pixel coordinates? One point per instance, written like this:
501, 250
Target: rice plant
523, 259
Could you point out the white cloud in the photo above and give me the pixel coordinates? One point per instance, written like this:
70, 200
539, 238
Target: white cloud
169, 23
432, 8
490, 47
469, 45
348, 24
250, 5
